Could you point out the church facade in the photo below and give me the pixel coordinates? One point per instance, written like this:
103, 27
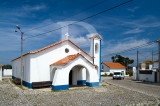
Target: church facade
62, 63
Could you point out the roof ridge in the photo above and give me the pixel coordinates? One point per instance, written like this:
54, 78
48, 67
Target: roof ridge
68, 59
51, 45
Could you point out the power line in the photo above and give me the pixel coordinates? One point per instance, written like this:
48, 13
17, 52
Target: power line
93, 6
133, 48
82, 19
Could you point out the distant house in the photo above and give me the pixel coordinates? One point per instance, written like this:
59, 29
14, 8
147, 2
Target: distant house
155, 65
108, 68
1, 72
146, 65
148, 71
7, 72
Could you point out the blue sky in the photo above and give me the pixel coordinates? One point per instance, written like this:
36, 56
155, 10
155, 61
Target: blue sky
130, 25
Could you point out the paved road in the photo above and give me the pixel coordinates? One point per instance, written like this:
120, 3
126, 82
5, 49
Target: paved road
151, 89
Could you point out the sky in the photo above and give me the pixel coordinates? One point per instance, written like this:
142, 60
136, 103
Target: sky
127, 26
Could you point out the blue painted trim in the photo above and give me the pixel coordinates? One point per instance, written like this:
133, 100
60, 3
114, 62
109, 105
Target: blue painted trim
13, 77
92, 84
100, 63
81, 82
60, 87
93, 51
27, 84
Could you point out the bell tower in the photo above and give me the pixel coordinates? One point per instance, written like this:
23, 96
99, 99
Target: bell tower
95, 51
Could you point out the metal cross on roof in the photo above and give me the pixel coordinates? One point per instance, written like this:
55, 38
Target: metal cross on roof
67, 35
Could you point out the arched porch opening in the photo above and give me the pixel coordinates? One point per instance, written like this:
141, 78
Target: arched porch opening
78, 76
52, 74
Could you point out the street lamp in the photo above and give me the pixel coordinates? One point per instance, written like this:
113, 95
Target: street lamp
21, 52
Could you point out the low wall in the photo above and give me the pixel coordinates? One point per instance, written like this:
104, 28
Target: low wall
105, 73
7, 72
147, 76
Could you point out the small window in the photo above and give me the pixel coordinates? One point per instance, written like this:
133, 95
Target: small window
96, 48
66, 50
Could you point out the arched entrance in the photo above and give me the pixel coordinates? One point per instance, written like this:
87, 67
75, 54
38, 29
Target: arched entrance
78, 76
52, 74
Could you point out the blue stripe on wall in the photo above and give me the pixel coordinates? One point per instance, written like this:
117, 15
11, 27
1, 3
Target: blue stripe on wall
60, 87
93, 51
27, 84
92, 84
100, 63
81, 82
13, 77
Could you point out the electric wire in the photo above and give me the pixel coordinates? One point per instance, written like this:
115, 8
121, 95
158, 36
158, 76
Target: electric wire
81, 19
90, 7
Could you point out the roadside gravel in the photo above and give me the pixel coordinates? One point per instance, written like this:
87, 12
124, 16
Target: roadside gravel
105, 94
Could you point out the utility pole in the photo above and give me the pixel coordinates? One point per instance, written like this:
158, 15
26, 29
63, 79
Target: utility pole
152, 55
21, 53
159, 57
137, 67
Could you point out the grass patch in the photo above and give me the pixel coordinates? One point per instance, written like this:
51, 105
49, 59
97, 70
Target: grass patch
19, 86
103, 85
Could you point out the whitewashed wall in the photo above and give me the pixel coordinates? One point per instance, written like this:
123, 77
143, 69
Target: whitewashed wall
78, 73
147, 77
112, 70
37, 66
97, 54
155, 65
16, 68
7, 72
40, 62
108, 70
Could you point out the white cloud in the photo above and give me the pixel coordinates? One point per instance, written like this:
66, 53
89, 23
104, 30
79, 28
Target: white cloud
34, 8
133, 31
133, 9
115, 46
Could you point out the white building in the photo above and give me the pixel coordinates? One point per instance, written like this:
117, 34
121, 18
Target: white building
108, 68
149, 71
62, 63
1, 72
7, 72
146, 65
155, 65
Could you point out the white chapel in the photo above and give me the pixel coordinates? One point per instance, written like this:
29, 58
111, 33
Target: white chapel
61, 64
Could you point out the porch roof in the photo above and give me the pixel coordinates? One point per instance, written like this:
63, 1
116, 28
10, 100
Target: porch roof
68, 59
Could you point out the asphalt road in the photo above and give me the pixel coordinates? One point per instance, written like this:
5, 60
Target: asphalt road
151, 89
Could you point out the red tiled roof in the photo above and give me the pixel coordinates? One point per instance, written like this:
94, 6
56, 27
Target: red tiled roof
156, 61
157, 40
1, 65
96, 35
114, 65
147, 61
49, 46
68, 59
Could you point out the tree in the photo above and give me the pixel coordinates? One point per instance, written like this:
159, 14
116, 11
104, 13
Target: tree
8, 66
122, 60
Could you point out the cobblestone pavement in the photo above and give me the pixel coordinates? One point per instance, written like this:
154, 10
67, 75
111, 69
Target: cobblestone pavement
151, 89
105, 95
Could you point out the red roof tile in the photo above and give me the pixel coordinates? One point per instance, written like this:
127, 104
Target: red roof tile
148, 61
54, 44
96, 35
68, 59
1, 65
114, 65
156, 61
